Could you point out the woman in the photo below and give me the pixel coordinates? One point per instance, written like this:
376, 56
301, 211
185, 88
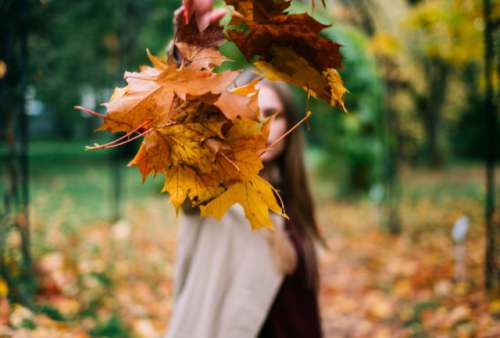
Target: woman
233, 282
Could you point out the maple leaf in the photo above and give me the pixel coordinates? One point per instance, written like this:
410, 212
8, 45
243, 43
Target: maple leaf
198, 57
292, 68
183, 182
288, 47
197, 47
255, 195
204, 138
152, 156
257, 10
189, 33
216, 177
148, 98
241, 101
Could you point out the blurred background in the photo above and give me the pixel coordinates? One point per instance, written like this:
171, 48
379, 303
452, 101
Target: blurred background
404, 182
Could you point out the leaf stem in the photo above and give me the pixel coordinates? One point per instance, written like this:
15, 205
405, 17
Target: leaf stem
113, 144
230, 161
137, 77
90, 111
128, 134
282, 137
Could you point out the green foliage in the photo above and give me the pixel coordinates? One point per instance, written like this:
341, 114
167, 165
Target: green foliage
236, 59
49, 311
111, 328
352, 142
84, 47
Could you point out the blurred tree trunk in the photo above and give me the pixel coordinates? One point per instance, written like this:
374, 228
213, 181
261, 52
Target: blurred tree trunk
369, 13
430, 106
15, 212
365, 9
492, 261
127, 43
391, 170
391, 127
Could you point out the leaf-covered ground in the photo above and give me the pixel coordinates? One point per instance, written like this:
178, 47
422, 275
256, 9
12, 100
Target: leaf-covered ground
102, 279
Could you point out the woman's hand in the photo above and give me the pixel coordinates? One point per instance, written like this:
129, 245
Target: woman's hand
203, 12
284, 254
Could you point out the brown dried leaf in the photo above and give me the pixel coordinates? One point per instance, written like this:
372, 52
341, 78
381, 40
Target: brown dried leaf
286, 46
189, 33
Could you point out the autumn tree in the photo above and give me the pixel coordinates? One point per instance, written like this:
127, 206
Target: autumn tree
491, 109
15, 262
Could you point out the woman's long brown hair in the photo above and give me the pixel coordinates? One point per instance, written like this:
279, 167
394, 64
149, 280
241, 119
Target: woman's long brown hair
294, 185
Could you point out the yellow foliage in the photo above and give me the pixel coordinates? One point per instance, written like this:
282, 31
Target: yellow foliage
4, 289
451, 30
256, 196
385, 45
293, 68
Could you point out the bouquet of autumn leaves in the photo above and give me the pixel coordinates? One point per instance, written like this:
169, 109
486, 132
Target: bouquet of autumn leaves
199, 130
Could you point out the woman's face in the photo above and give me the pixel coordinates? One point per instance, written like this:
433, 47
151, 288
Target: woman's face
270, 104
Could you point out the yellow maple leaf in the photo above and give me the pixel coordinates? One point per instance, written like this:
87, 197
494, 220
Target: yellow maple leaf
256, 196
292, 68
182, 182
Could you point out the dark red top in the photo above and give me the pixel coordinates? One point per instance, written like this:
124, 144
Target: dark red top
295, 310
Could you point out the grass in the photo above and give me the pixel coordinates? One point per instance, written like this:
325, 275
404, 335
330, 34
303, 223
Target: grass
66, 178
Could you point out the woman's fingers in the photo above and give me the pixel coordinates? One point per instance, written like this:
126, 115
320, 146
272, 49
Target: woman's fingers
178, 13
216, 15
209, 18
203, 12
197, 7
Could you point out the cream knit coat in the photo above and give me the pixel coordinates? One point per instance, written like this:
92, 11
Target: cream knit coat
226, 278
